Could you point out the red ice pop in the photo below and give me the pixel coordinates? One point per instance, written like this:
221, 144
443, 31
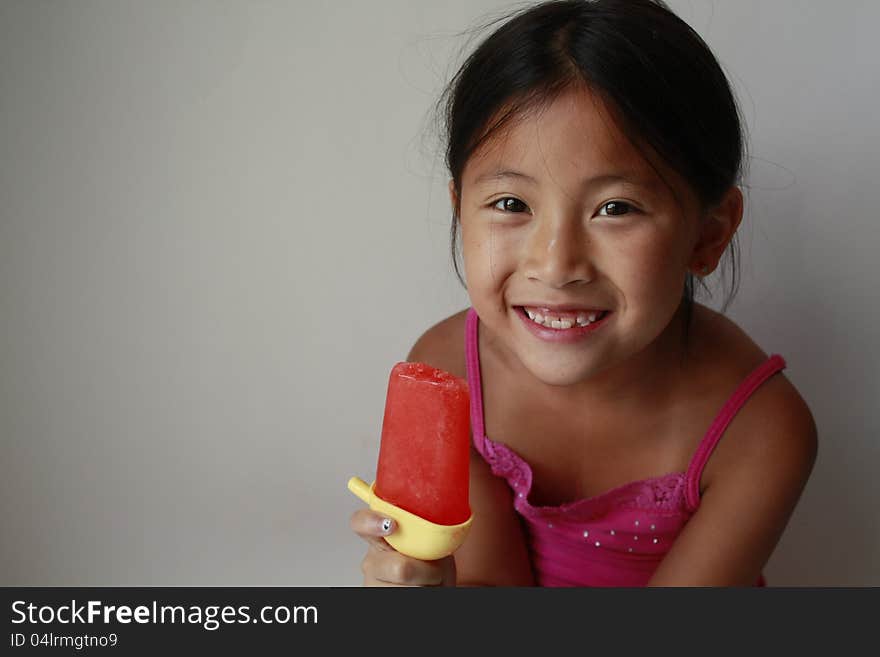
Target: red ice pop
425, 448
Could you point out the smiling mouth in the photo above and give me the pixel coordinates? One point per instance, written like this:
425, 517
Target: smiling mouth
562, 320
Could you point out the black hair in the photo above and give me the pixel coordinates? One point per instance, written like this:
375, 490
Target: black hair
649, 66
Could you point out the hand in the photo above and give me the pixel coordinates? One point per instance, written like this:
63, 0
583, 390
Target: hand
385, 566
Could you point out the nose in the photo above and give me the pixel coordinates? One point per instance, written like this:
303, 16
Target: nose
557, 253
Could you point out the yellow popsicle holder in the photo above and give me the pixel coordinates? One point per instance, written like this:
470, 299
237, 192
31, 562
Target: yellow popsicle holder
414, 536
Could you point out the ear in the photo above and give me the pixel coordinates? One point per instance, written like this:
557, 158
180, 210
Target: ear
453, 197
717, 228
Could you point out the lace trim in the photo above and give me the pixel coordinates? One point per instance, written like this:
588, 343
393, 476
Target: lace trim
659, 494
506, 464
664, 494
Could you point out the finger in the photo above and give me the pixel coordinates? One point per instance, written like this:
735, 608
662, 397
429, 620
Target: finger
378, 583
369, 580
447, 571
394, 568
372, 527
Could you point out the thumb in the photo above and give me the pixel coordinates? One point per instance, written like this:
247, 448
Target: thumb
447, 566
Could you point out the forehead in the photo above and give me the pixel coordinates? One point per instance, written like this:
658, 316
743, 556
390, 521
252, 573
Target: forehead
574, 136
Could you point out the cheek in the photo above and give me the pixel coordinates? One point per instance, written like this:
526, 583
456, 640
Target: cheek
489, 254
650, 268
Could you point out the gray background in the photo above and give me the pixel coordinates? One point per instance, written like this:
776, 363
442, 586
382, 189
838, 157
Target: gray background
221, 224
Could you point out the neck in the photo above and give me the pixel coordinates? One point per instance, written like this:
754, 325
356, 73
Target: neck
648, 376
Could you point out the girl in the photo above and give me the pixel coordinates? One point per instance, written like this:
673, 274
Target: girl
594, 150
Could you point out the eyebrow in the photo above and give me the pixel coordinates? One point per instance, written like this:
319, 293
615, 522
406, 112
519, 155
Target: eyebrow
502, 174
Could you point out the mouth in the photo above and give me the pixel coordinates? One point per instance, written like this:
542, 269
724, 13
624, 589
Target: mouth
562, 326
562, 319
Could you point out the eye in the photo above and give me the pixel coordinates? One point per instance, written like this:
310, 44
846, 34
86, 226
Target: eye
508, 204
615, 208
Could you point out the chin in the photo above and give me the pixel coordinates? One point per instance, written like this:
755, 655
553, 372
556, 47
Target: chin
562, 375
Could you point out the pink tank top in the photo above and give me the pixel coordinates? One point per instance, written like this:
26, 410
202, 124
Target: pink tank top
619, 537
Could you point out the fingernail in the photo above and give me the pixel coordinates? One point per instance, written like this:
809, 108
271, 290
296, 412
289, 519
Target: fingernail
386, 525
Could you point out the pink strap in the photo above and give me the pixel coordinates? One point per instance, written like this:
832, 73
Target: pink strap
773, 364
472, 359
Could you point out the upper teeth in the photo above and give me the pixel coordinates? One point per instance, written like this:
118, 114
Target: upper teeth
583, 319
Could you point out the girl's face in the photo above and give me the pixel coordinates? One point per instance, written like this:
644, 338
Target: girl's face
562, 217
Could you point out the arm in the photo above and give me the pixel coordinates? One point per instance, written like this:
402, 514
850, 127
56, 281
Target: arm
494, 552
762, 466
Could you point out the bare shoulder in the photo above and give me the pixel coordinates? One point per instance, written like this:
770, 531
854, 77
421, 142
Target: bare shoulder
755, 475
442, 345
774, 430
